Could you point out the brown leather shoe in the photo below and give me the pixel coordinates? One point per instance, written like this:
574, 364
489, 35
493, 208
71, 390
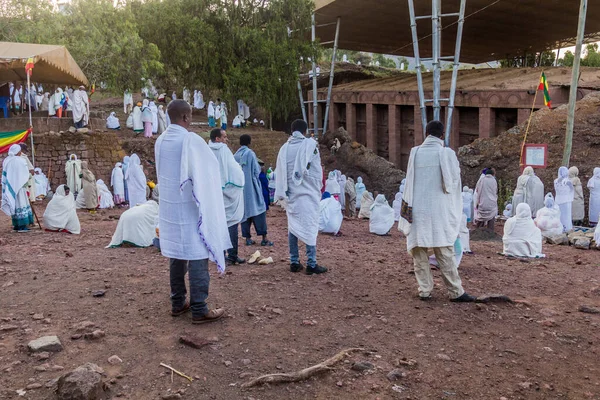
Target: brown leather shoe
211, 316
181, 311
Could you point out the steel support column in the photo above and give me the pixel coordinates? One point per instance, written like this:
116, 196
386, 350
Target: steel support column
331, 74
314, 69
436, 6
456, 65
415, 37
302, 102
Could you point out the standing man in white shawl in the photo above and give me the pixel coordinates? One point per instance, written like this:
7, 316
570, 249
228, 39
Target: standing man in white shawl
530, 190
565, 193
116, 181
193, 225
255, 209
299, 181
15, 203
81, 107
486, 202
432, 211
73, 173
154, 110
594, 187
232, 184
578, 211
127, 101
136, 181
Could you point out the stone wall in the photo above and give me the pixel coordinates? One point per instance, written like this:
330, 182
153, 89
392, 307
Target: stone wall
101, 150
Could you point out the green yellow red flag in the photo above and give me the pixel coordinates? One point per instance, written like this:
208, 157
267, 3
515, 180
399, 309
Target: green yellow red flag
7, 139
29, 66
544, 87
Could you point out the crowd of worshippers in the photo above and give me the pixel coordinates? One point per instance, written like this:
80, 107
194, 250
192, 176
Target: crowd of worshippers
58, 104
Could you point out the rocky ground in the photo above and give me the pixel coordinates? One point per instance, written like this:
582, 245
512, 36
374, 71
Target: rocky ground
541, 347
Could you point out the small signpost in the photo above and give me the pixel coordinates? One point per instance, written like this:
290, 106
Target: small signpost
535, 156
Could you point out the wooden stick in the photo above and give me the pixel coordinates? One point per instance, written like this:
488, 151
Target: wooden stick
177, 372
302, 374
36, 217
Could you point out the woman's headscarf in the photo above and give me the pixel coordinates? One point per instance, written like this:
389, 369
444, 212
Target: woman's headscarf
523, 216
574, 176
465, 189
563, 176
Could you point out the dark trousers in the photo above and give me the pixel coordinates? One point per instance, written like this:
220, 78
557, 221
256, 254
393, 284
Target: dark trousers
260, 225
199, 283
79, 124
232, 253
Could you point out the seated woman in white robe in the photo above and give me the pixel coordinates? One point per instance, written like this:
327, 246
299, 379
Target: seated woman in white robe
521, 237
80, 200
41, 183
104, 194
330, 215
382, 216
137, 226
112, 122
60, 214
365, 205
507, 213
332, 186
548, 218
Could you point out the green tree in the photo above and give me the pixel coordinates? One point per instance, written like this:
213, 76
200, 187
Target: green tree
567, 60
543, 59
384, 61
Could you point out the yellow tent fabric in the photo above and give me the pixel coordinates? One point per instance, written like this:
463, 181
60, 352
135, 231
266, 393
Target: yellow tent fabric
52, 64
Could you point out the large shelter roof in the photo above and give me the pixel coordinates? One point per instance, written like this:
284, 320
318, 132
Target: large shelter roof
493, 29
52, 64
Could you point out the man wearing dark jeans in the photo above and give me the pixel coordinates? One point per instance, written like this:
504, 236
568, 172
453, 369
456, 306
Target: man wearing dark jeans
193, 226
232, 183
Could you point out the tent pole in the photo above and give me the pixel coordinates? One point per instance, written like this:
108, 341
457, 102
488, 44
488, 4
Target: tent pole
331, 76
28, 92
314, 82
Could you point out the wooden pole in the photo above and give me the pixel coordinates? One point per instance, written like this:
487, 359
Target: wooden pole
574, 84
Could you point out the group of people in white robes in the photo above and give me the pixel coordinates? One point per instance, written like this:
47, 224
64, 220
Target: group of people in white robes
198, 100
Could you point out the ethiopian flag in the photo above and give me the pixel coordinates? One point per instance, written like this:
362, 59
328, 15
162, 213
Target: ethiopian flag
7, 139
29, 66
544, 86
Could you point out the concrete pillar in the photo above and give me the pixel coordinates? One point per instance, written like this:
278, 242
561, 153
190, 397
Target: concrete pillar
351, 120
523, 115
334, 117
486, 122
455, 129
418, 127
394, 142
371, 128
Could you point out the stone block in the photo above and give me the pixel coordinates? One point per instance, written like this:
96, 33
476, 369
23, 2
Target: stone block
83, 383
45, 343
582, 243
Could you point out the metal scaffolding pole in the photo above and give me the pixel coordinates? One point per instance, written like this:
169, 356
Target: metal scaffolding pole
314, 77
331, 74
415, 38
436, 6
302, 102
450, 110
574, 84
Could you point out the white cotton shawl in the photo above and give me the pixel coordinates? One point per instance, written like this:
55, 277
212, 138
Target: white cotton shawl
565, 193
432, 184
81, 106
578, 210
61, 213
547, 219
382, 216
136, 181
41, 183
521, 237
105, 196
594, 187
73, 172
298, 183
332, 185
464, 235
397, 205
80, 200
330, 216
15, 175
138, 124
232, 183
116, 180
365, 205
112, 122
487, 199
127, 100
154, 110
211, 109
137, 226
193, 224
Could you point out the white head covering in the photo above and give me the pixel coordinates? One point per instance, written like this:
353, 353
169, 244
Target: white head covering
331, 185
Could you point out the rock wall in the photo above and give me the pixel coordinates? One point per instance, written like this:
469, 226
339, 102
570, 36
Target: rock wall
101, 149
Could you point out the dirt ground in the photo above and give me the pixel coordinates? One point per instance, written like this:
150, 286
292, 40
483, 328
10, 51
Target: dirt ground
543, 348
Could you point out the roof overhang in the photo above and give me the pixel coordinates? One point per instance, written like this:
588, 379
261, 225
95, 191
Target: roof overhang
492, 30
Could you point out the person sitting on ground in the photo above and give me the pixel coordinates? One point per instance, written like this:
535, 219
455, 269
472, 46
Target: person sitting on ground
530, 190
112, 122
105, 196
521, 237
565, 193
42, 186
255, 209
486, 202
578, 209
547, 219
397, 204
360, 188
89, 190
332, 186
507, 213
60, 214
330, 215
382, 217
365, 205
136, 226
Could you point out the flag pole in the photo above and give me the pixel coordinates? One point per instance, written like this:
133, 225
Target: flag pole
529, 123
30, 119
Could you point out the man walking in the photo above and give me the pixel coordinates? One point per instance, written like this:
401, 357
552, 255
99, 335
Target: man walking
193, 227
255, 211
298, 187
431, 212
232, 184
